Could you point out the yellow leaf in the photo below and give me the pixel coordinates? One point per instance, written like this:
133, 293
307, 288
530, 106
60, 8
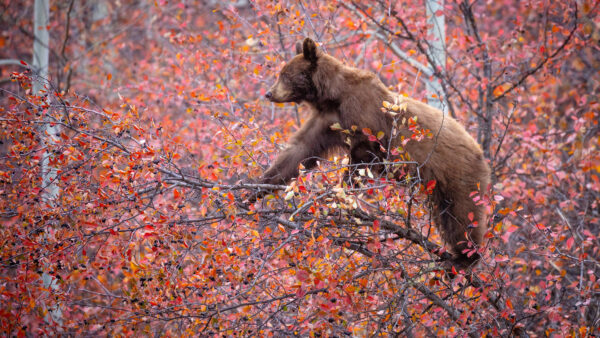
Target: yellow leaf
134, 267
289, 195
336, 126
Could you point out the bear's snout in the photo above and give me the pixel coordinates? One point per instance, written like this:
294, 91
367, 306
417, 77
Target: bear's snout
278, 93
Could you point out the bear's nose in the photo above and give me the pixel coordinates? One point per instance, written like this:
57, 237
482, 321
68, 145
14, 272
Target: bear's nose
269, 95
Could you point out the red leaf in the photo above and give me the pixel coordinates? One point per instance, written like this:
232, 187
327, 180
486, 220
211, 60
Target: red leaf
150, 234
23, 63
430, 186
376, 225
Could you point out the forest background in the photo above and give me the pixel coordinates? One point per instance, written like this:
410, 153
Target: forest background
125, 160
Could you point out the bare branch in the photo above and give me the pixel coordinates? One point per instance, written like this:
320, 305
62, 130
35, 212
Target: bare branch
394, 47
535, 69
12, 62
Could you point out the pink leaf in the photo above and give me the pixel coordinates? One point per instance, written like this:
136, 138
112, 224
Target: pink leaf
570, 242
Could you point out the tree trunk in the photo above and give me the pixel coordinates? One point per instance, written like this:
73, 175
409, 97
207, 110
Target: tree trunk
40, 67
437, 52
41, 42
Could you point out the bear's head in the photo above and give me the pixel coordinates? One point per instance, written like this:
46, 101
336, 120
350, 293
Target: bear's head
295, 83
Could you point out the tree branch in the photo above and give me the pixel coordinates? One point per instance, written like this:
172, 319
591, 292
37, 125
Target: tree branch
395, 48
12, 62
534, 70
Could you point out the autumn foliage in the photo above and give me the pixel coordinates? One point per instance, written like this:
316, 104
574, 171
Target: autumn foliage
162, 129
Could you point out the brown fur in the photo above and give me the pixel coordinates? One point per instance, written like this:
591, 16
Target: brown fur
354, 97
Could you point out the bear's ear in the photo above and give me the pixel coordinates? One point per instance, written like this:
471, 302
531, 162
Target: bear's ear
309, 48
298, 47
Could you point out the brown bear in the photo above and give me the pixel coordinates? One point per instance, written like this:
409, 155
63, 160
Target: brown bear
347, 96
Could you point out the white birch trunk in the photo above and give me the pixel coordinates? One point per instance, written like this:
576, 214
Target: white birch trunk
437, 44
40, 67
41, 42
